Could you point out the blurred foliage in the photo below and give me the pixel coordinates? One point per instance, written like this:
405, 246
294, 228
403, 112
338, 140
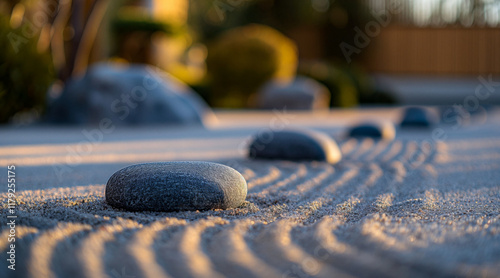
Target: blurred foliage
242, 59
335, 18
132, 30
25, 74
125, 25
138, 36
341, 86
333, 21
349, 86
130, 19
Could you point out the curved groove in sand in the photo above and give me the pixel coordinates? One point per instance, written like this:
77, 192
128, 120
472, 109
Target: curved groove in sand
141, 248
348, 146
393, 151
370, 180
42, 249
379, 148
21, 232
356, 191
300, 172
326, 171
304, 219
364, 148
190, 259
314, 199
323, 233
232, 256
275, 245
346, 175
91, 252
248, 173
325, 246
398, 171
411, 150
272, 175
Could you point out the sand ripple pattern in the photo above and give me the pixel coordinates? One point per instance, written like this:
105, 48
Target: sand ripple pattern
389, 209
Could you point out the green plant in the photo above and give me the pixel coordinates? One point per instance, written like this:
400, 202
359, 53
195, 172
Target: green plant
244, 58
334, 19
25, 74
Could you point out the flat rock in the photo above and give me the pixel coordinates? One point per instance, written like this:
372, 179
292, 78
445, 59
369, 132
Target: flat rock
176, 186
385, 130
418, 117
298, 145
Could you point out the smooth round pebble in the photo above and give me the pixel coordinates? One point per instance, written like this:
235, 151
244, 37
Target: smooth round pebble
176, 186
297, 145
302, 93
418, 117
385, 131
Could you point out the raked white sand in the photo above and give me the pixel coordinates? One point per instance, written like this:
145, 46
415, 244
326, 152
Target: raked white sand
413, 207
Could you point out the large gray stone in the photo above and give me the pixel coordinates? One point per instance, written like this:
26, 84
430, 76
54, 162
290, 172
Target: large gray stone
303, 93
128, 95
299, 145
176, 186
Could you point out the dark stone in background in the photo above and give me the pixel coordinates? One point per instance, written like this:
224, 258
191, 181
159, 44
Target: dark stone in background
307, 145
128, 95
418, 117
303, 93
374, 130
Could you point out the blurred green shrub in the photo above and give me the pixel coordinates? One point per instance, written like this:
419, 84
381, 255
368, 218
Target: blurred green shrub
25, 74
343, 90
240, 60
335, 19
368, 93
349, 86
334, 22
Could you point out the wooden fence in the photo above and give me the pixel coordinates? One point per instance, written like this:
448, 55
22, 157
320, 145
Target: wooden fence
441, 51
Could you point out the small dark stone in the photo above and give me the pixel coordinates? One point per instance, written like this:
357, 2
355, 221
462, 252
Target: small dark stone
295, 145
176, 186
303, 93
384, 131
418, 117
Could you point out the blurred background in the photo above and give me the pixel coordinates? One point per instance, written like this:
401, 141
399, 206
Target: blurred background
70, 61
